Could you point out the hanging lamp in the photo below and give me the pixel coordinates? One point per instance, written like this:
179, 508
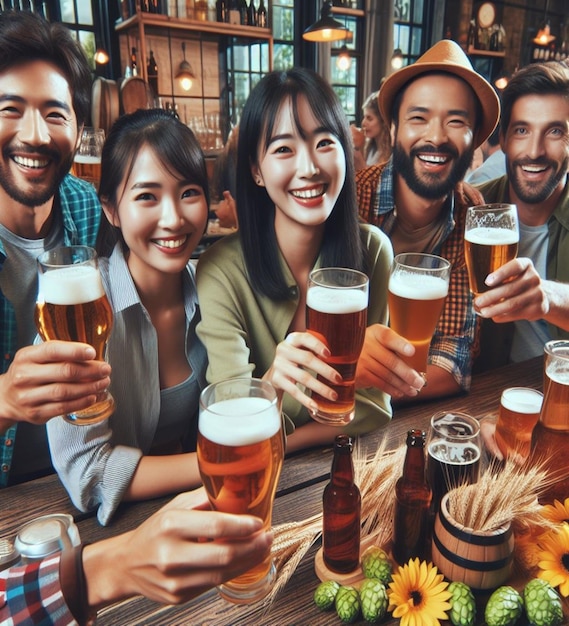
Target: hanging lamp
185, 75
326, 28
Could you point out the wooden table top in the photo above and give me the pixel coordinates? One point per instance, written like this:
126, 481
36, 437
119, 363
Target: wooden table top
299, 496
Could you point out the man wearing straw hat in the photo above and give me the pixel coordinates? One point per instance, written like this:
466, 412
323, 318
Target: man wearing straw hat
440, 110
529, 302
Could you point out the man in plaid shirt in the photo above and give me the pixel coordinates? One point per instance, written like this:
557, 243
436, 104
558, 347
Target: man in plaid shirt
440, 110
45, 92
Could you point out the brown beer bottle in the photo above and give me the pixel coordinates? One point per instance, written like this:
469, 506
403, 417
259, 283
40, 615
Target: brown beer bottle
412, 502
341, 512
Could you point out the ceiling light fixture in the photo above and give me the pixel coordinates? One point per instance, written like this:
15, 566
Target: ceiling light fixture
326, 28
101, 56
397, 59
185, 75
544, 36
344, 60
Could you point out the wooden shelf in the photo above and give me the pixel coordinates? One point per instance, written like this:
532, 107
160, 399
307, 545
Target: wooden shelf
485, 53
348, 12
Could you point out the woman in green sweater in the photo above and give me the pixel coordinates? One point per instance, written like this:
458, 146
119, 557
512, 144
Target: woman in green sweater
296, 207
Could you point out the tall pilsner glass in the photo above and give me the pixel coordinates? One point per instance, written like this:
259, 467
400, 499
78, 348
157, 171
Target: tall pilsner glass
336, 312
72, 306
418, 287
491, 237
240, 454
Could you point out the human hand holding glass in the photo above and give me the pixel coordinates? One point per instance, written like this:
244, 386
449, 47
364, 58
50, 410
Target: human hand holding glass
72, 306
491, 236
240, 451
418, 287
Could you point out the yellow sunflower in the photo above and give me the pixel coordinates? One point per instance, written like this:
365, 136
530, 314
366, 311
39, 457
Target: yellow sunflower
418, 594
557, 512
554, 558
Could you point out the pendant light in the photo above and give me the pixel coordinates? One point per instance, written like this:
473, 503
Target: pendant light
544, 36
185, 75
326, 28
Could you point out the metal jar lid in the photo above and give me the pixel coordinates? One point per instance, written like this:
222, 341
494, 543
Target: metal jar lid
8, 553
45, 535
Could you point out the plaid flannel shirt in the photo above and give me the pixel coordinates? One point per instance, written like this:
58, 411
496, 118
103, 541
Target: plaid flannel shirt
81, 213
455, 342
31, 594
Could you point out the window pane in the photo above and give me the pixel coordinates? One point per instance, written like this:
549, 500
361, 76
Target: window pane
348, 98
283, 56
67, 9
87, 40
84, 12
283, 23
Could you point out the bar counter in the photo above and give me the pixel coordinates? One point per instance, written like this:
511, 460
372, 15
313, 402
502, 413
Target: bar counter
299, 496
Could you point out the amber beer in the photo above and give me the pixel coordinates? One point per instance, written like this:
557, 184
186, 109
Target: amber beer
72, 306
487, 249
550, 437
240, 452
88, 168
519, 412
339, 317
415, 305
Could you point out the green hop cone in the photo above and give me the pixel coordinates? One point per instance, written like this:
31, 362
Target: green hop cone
325, 594
373, 599
543, 604
463, 604
347, 604
504, 607
376, 564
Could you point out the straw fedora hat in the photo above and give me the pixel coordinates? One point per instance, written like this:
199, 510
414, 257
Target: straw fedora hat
445, 56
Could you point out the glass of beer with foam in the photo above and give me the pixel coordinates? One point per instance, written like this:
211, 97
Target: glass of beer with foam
491, 237
72, 306
87, 160
519, 411
336, 313
418, 287
240, 451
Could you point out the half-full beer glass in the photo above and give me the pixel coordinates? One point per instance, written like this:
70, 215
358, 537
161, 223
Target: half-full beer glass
240, 454
336, 312
72, 306
491, 236
418, 287
87, 160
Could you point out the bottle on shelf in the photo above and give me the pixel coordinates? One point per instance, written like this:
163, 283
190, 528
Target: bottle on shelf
190, 9
200, 10
341, 504
251, 14
234, 14
222, 11
412, 502
262, 17
133, 62
243, 12
152, 73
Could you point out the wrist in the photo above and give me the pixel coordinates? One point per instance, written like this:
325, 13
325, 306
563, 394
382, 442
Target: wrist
73, 585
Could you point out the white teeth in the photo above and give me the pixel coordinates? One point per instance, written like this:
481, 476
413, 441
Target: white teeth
431, 158
533, 169
306, 194
171, 243
27, 162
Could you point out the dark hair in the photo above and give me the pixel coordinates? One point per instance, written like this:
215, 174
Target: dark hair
173, 142
550, 78
341, 244
479, 115
26, 36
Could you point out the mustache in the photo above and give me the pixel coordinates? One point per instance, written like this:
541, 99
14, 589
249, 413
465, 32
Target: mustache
444, 148
32, 152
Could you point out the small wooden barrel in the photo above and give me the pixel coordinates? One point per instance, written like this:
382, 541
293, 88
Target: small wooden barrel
481, 559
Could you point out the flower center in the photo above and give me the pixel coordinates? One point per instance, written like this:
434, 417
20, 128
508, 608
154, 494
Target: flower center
417, 597
565, 561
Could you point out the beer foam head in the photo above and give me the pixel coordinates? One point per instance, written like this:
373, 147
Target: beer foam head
239, 421
415, 286
522, 400
330, 300
485, 236
87, 158
74, 284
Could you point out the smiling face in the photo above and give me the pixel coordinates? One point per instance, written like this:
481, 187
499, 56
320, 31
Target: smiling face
161, 217
433, 137
38, 132
303, 169
536, 145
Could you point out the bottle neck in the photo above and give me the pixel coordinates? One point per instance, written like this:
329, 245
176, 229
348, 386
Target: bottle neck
414, 466
342, 467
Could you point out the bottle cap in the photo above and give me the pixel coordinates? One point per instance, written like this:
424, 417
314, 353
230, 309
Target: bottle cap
46, 535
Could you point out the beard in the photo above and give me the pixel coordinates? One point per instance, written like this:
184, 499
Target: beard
538, 192
431, 187
39, 191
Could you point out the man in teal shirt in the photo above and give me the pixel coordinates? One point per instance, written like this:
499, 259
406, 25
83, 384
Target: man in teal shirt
45, 88
529, 300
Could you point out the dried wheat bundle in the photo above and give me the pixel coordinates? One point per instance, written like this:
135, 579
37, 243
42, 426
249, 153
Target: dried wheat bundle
375, 475
503, 494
